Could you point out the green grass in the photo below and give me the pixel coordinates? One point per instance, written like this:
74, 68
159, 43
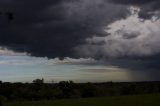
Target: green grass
139, 100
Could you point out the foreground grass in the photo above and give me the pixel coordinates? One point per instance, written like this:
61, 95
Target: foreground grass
139, 100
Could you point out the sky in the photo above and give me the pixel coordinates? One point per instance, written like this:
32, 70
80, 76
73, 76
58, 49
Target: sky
80, 40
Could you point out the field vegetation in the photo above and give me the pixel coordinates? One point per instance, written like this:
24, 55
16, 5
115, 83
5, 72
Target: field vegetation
38, 93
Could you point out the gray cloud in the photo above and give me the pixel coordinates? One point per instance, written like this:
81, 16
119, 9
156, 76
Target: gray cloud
148, 7
53, 28
129, 43
127, 37
93, 28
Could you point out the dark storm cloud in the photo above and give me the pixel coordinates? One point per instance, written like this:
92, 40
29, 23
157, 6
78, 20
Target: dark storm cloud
132, 42
133, 2
53, 27
148, 7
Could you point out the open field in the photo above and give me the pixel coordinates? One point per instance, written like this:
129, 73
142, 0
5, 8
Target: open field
138, 100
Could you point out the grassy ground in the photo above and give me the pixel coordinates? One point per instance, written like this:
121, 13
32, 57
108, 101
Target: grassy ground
139, 100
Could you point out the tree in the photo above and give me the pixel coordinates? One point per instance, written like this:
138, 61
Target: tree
38, 81
2, 99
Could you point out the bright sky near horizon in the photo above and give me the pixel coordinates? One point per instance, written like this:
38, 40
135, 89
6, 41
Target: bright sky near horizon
25, 68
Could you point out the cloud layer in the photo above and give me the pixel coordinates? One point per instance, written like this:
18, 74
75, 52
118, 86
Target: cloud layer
132, 36
125, 29
53, 28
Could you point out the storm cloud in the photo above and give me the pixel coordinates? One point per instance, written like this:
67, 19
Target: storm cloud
53, 28
127, 30
132, 36
129, 43
148, 7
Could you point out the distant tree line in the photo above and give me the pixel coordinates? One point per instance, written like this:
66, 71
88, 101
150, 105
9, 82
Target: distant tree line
38, 90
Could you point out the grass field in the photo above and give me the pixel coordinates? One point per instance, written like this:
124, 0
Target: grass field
139, 100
